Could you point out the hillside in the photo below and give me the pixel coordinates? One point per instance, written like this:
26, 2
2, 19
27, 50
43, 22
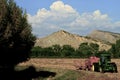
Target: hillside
65, 38
104, 36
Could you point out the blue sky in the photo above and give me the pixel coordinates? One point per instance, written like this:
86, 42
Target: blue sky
75, 16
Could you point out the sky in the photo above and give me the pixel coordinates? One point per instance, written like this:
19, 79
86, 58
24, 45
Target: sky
75, 16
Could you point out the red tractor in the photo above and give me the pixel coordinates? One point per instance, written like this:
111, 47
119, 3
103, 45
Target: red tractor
99, 64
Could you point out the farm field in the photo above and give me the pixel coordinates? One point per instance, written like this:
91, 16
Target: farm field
60, 65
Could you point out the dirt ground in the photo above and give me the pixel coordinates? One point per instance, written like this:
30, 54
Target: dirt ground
66, 64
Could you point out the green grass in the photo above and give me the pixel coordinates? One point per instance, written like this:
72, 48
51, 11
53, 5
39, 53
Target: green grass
68, 75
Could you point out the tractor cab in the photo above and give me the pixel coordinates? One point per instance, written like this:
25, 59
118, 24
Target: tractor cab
105, 58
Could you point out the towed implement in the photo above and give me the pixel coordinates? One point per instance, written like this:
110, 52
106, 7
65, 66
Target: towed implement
99, 64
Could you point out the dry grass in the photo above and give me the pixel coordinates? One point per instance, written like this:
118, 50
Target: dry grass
69, 64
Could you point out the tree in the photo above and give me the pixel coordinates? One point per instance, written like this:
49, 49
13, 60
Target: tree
67, 51
115, 49
57, 49
36, 51
16, 38
94, 48
86, 50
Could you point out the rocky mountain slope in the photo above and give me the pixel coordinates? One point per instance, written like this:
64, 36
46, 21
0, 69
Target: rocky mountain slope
104, 36
65, 38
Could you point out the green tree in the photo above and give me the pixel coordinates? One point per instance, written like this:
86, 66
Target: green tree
16, 38
115, 49
67, 51
36, 51
57, 49
94, 48
48, 52
84, 50
87, 49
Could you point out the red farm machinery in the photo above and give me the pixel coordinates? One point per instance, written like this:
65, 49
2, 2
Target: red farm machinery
99, 64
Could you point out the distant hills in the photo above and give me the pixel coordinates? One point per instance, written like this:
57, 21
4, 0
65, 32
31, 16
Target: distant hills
102, 38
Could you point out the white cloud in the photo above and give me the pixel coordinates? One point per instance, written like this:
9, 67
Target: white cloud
59, 6
97, 15
64, 16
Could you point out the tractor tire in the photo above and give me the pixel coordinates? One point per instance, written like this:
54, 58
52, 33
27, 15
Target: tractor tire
95, 67
101, 70
115, 67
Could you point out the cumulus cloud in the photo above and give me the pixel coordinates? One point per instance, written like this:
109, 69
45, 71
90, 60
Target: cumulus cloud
63, 16
59, 6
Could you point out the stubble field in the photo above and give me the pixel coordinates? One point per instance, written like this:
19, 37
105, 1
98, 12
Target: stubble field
71, 64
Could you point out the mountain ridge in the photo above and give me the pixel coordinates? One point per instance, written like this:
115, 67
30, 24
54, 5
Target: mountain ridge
65, 38
104, 36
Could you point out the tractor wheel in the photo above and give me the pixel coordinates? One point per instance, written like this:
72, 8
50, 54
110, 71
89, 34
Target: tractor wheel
115, 67
95, 67
101, 69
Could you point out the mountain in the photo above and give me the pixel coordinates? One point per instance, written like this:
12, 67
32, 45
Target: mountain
104, 36
65, 38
